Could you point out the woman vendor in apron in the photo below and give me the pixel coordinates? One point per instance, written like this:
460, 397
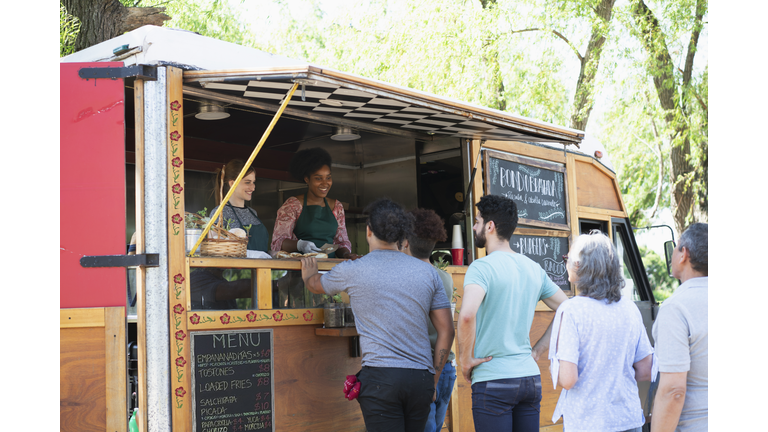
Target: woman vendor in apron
236, 212
306, 222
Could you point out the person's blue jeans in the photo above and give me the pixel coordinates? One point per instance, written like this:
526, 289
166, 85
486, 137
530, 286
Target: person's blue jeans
444, 389
512, 404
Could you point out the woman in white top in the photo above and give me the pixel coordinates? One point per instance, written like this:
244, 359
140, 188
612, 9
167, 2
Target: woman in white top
599, 348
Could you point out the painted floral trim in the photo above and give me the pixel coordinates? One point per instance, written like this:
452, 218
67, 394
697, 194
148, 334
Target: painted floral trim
180, 335
251, 317
175, 105
177, 162
179, 278
179, 393
177, 220
175, 136
196, 319
177, 188
178, 309
278, 316
180, 361
308, 315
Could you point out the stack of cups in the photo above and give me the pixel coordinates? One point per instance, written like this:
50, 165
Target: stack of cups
457, 246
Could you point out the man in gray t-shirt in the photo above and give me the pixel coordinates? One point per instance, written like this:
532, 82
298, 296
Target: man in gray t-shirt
681, 336
393, 296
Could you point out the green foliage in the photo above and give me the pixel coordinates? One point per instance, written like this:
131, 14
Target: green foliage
662, 283
441, 263
69, 27
212, 18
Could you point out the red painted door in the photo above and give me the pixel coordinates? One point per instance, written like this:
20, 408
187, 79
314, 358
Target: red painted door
92, 211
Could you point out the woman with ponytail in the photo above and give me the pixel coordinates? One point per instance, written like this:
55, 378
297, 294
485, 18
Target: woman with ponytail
236, 213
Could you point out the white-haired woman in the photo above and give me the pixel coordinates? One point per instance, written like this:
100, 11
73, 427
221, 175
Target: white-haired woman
599, 348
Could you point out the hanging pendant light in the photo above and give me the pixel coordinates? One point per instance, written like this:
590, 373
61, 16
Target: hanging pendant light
209, 111
344, 133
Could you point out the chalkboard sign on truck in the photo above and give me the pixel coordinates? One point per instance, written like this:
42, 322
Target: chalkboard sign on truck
233, 381
547, 252
537, 187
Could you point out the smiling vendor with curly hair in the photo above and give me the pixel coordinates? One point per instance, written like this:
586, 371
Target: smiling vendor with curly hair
306, 222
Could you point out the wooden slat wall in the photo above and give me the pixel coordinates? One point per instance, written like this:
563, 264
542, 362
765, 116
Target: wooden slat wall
309, 373
93, 375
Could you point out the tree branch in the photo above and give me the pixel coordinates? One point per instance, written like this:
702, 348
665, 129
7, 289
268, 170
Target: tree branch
556, 33
701, 8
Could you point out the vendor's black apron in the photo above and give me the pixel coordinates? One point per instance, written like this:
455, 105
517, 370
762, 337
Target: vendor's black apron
259, 236
316, 224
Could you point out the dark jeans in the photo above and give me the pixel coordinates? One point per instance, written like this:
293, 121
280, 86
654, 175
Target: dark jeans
394, 399
511, 404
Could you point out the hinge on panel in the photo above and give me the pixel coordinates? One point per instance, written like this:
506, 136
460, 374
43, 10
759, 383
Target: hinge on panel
144, 72
138, 260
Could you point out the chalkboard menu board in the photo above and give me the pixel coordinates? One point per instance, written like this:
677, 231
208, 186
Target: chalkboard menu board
233, 381
538, 188
547, 252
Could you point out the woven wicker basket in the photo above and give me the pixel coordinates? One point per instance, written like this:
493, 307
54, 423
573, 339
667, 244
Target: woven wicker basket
225, 244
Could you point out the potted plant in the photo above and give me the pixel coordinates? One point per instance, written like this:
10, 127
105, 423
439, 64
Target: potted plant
333, 311
193, 228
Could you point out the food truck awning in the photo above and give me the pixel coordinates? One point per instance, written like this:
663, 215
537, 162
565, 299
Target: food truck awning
232, 74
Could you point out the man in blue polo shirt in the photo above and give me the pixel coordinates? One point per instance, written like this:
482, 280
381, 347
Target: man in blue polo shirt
501, 291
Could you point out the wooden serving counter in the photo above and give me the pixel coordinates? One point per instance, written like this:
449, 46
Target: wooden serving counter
311, 362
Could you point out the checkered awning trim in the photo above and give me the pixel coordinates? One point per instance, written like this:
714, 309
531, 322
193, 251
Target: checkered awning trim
334, 100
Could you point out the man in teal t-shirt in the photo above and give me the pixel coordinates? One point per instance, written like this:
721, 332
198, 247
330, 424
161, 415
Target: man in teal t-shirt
501, 291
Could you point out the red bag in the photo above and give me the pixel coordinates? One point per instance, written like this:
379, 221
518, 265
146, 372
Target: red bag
351, 387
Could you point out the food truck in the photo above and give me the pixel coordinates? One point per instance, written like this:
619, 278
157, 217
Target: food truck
146, 120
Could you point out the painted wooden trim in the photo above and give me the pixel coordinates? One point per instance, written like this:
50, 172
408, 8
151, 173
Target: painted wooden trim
552, 155
141, 337
251, 263
593, 212
141, 346
116, 368
554, 428
542, 232
264, 288
244, 319
477, 187
81, 317
180, 380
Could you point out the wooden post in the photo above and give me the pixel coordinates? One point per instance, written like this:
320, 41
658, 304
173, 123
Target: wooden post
141, 318
264, 288
180, 363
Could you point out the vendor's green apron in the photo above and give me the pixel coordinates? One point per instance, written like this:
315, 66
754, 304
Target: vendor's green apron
258, 239
316, 224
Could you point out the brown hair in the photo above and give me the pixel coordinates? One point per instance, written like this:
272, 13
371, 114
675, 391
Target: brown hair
428, 229
230, 171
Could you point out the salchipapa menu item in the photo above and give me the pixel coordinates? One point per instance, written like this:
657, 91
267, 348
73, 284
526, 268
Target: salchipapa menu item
233, 380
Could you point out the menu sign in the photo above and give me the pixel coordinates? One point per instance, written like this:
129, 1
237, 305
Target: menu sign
233, 381
547, 252
537, 187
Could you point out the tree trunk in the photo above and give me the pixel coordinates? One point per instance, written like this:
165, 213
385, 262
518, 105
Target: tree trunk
104, 19
662, 69
583, 101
